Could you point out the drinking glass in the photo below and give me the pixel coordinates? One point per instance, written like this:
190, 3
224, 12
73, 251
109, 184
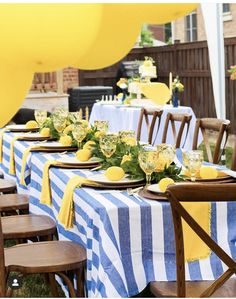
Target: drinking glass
126, 133
74, 116
101, 125
59, 123
148, 160
166, 155
79, 132
40, 116
108, 144
192, 160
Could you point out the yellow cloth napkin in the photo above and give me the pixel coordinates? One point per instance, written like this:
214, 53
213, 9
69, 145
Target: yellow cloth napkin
1, 142
45, 196
194, 247
12, 170
24, 160
66, 213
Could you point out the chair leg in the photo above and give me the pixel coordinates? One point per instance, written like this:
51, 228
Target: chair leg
80, 281
69, 284
50, 278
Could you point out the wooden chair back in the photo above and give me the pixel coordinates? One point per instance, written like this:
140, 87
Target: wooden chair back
144, 116
172, 119
217, 125
2, 264
198, 193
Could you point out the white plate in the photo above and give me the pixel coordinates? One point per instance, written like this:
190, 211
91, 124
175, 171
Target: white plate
19, 128
154, 188
52, 145
75, 161
100, 178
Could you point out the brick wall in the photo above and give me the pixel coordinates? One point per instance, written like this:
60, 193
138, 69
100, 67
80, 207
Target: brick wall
229, 25
70, 78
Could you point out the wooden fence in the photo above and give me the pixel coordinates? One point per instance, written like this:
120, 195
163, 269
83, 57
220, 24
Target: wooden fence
191, 62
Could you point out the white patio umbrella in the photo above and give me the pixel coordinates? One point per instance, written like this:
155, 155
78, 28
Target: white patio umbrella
212, 13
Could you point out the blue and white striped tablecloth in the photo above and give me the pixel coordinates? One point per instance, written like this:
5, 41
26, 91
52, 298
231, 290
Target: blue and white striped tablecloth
129, 243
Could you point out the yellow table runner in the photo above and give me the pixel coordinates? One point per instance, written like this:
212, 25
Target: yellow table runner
194, 247
12, 170
1, 142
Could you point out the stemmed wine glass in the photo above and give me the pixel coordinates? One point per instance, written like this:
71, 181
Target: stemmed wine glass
59, 123
79, 132
40, 116
101, 125
166, 155
108, 144
148, 161
192, 160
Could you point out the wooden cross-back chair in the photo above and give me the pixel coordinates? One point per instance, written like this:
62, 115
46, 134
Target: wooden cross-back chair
217, 125
222, 286
50, 258
144, 116
172, 119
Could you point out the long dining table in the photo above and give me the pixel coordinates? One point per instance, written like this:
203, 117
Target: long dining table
129, 240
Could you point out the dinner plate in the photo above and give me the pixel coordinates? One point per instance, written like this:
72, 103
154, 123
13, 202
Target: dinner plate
101, 178
152, 195
221, 176
34, 137
155, 188
74, 161
20, 128
53, 145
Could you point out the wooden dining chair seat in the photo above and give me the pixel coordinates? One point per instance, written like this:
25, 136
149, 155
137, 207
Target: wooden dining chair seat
193, 288
219, 126
144, 116
184, 121
49, 258
14, 202
27, 226
7, 186
44, 257
196, 192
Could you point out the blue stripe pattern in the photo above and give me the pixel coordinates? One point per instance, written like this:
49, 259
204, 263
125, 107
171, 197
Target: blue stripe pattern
124, 252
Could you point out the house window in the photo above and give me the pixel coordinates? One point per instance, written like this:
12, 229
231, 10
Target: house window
191, 27
226, 8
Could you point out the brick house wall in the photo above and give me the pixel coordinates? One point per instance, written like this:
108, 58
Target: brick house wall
70, 78
229, 25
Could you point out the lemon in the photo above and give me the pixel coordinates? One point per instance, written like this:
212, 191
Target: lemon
208, 172
89, 145
187, 173
84, 123
162, 162
68, 129
45, 132
99, 134
83, 154
164, 183
31, 124
125, 158
114, 173
65, 140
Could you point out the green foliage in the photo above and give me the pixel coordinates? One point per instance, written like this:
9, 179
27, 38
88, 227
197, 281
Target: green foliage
172, 172
49, 124
146, 36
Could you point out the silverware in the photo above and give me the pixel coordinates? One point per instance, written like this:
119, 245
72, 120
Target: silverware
132, 191
96, 168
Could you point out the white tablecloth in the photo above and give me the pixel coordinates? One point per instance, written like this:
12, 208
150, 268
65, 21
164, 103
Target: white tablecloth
126, 118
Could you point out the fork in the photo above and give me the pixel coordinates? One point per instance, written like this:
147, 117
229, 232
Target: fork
132, 191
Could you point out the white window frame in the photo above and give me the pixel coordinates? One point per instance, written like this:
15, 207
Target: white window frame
227, 16
190, 29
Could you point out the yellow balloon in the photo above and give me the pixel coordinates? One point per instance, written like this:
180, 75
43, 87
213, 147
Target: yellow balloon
47, 36
159, 93
15, 83
114, 41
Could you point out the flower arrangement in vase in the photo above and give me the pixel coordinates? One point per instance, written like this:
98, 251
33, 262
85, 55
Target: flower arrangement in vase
177, 87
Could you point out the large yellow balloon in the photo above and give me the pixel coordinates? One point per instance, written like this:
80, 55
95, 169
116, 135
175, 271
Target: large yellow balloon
47, 36
14, 85
114, 41
159, 93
